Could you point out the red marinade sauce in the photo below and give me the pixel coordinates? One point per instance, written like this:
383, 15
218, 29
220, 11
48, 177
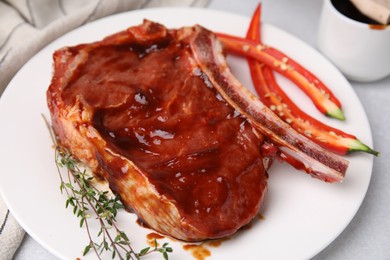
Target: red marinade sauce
163, 114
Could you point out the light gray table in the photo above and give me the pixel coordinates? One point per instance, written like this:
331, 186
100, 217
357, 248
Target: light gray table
368, 235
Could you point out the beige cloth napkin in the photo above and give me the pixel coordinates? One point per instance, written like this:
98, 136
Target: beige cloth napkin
11, 234
26, 26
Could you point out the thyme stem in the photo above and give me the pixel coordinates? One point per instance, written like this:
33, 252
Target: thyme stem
85, 197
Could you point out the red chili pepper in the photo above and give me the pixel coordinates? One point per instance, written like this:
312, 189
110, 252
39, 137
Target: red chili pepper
312, 158
275, 98
322, 97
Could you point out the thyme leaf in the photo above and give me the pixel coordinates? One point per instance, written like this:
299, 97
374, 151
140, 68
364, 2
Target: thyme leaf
87, 200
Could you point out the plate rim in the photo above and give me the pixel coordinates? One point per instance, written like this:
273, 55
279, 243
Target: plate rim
170, 9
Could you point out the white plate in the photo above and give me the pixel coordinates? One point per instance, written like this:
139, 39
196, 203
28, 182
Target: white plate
302, 215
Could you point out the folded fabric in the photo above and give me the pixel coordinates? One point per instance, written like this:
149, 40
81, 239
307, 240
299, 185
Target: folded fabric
26, 26
11, 234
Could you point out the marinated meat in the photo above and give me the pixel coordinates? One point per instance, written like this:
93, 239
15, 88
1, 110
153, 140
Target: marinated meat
139, 111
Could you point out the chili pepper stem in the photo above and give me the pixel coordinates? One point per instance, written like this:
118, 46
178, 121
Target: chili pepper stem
336, 113
357, 145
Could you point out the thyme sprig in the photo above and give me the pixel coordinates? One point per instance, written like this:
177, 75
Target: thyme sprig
87, 201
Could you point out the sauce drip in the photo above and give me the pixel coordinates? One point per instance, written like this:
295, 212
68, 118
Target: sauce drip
199, 252
152, 238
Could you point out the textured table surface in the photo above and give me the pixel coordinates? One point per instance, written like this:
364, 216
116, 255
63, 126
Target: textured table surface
367, 236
